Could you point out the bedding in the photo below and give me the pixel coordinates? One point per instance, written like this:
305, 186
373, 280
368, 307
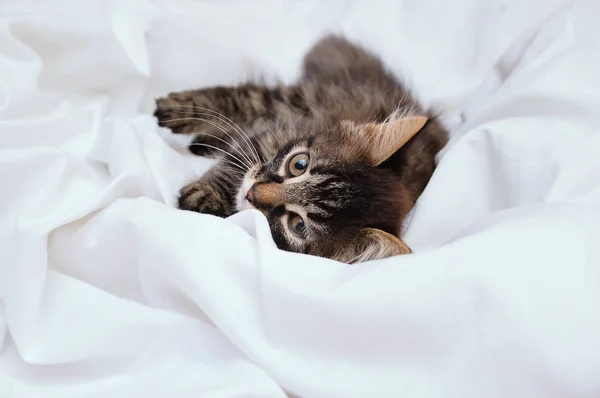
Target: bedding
107, 290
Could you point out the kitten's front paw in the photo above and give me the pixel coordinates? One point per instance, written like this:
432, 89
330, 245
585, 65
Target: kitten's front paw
167, 112
201, 197
171, 113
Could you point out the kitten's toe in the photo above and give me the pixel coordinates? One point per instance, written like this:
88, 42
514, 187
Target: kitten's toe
171, 114
164, 111
203, 198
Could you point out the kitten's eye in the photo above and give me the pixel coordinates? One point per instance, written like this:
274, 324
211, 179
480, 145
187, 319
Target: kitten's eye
298, 164
296, 225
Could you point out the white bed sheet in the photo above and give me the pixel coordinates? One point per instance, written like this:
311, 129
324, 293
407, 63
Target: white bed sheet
106, 290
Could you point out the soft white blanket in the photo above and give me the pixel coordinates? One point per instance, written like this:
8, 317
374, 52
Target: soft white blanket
107, 290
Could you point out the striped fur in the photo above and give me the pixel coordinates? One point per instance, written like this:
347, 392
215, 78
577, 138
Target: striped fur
347, 113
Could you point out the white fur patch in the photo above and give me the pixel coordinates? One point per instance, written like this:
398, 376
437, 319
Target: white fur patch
241, 203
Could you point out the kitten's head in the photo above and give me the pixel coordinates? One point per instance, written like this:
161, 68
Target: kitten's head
325, 193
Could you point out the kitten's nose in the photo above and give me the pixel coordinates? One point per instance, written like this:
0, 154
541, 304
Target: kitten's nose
250, 194
266, 195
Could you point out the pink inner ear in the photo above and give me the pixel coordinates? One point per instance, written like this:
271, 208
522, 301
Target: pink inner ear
386, 138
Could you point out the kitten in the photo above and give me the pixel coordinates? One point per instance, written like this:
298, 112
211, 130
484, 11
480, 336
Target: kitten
330, 161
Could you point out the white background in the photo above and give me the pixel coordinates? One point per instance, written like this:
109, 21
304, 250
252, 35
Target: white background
106, 290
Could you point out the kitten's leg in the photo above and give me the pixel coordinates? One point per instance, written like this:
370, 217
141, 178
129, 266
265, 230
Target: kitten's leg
225, 106
221, 114
215, 115
335, 59
214, 193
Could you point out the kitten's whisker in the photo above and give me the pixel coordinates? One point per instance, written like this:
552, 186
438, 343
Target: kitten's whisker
231, 166
238, 130
239, 148
223, 141
229, 163
221, 150
222, 129
221, 117
252, 157
232, 170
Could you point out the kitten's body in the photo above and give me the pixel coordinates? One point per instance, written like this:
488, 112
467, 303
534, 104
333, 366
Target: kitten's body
354, 195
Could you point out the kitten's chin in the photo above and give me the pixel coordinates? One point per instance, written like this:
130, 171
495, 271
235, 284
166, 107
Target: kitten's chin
241, 203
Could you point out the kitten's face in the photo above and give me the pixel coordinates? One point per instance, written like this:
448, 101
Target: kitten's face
321, 192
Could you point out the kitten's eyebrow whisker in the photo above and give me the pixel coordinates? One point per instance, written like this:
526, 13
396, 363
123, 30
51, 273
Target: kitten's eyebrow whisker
222, 129
315, 107
262, 119
219, 116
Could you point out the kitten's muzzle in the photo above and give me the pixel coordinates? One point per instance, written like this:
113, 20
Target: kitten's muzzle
266, 195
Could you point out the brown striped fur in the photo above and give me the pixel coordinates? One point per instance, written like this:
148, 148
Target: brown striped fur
348, 115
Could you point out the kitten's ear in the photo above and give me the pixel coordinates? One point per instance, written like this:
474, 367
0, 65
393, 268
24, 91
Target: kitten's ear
382, 140
372, 244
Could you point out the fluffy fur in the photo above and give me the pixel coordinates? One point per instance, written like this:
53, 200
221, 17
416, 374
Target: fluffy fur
353, 121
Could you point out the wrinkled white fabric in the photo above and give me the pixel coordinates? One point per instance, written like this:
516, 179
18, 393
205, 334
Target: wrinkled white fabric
107, 290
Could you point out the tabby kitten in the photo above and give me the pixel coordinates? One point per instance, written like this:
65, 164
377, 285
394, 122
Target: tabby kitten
332, 161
